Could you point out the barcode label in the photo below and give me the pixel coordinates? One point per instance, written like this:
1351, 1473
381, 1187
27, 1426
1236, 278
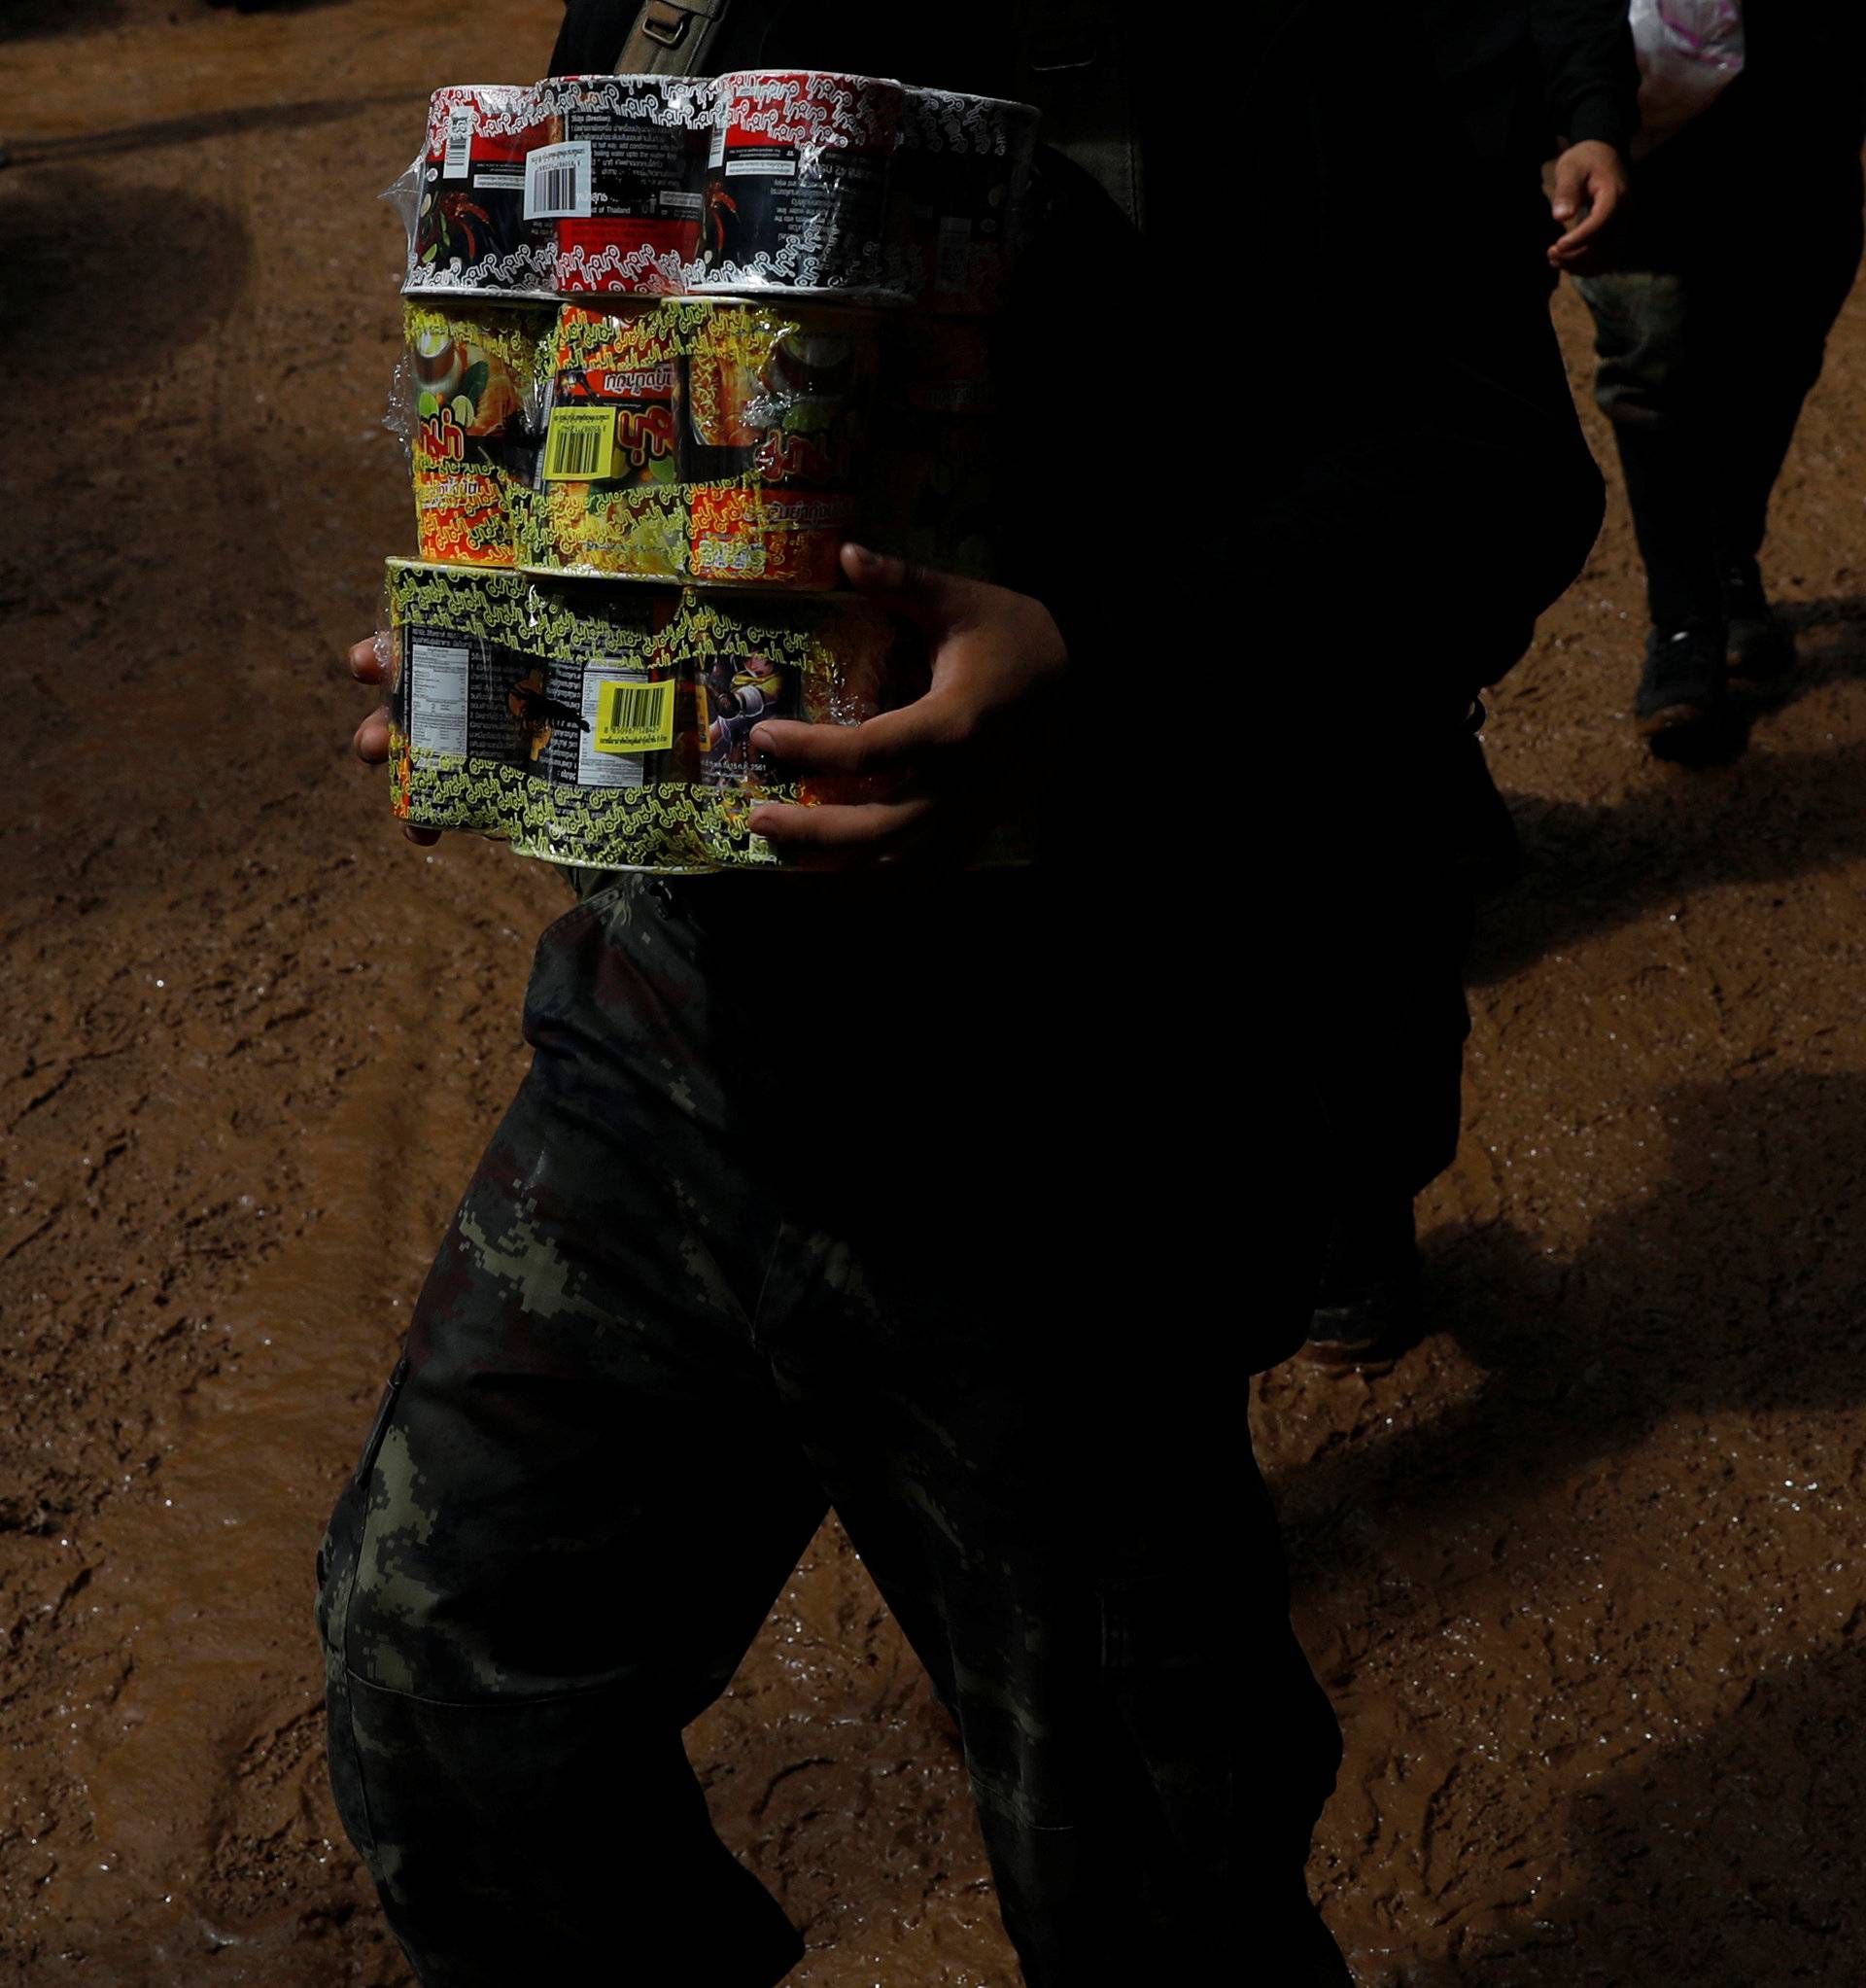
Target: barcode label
635, 717
460, 143
579, 445
557, 182
716, 151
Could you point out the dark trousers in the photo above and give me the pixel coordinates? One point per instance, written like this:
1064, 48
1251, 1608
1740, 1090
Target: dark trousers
1741, 246
809, 1198
1384, 933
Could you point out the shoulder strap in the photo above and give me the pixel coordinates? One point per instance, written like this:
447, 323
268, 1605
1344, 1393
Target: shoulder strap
1072, 64
671, 38
1076, 67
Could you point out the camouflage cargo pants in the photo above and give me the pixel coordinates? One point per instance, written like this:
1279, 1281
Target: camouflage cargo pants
785, 1215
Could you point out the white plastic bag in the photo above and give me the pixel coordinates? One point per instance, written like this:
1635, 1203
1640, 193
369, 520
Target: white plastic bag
1688, 52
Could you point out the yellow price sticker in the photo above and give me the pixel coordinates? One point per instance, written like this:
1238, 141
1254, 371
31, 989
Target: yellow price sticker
579, 445
635, 717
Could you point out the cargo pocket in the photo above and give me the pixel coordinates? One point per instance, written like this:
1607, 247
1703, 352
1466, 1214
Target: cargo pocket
337, 1559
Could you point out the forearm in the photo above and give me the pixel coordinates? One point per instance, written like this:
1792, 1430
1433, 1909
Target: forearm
1590, 75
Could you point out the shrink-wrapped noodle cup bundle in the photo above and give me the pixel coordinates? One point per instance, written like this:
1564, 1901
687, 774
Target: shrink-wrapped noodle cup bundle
959, 190
469, 230
794, 194
469, 376
672, 458
609, 726
623, 204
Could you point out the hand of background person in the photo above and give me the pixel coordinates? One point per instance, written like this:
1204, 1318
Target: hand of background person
1589, 184
945, 766
370, 664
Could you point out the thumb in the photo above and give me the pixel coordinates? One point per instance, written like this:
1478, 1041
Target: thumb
917, 593
1571, 176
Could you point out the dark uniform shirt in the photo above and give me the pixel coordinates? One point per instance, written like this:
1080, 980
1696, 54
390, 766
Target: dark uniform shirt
1527, 76
915, 45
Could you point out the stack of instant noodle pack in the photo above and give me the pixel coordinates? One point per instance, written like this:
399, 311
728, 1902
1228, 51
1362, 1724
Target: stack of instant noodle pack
669, 343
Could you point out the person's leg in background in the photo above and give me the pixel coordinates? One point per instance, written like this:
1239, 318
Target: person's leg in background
1385, 939
1741, 244
1658, 382
1773, 324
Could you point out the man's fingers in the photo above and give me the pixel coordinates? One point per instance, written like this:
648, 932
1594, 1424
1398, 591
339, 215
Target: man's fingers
371, 742
1565, 194
918, 594
369, 659
832, 836
887, 744
1599, 215
1573, 246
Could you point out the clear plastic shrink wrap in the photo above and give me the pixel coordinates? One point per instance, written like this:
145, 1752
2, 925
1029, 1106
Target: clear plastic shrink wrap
795, 193
713, 440
468, 387
662, 360
803, 184
610, 726
617, 180
470, 229
960, 185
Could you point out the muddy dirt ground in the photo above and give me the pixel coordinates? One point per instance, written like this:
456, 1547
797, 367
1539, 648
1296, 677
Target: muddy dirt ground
1586, 1573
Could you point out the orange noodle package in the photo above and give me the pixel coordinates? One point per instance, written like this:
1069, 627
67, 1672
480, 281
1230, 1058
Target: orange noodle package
705, 440
795, 188
606, 499
609, 727
618, 181
778, 409
471, 375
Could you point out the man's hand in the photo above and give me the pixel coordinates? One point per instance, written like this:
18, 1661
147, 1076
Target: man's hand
370, 664
1590, 176
950, 763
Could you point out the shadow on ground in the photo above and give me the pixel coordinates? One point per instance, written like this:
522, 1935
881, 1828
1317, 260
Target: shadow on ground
1739, 1287
1758, 818
1730, 1860
201, 128
1669, 1309
102, 283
